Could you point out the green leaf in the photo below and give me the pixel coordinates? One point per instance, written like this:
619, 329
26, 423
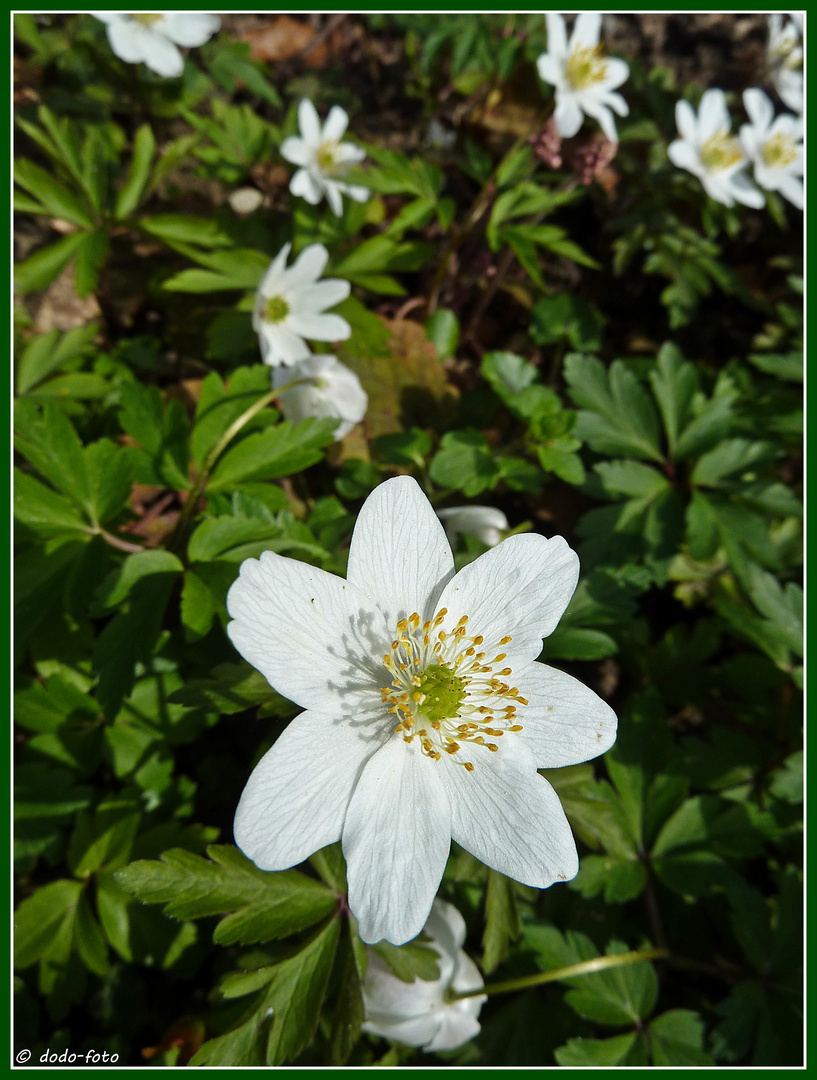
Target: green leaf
39, 270
404, 447
48, 440
90, 259
508, 373
42, 510
278, 451
617, 880
44, 353
38, 920
135, 183
617, 415
89, 940
237, 268
233, 688
110, 471
349, 1013
675, 384
56, 199
117, 586
619, 995
443, 329
600, 1053
415, 960
297, 993
161, 431
104, 838
501, 920
677, 1038
181, 230
219, 406
632, 479
261, 906
464, 461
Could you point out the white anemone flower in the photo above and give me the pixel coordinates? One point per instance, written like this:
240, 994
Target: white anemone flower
152, 38
291, 303
323, 159
774, 146
486, 523
585, 79
708, 150
427, 715
424, 1013
784, 55
329, 389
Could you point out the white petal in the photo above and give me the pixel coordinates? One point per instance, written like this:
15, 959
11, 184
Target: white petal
335, 124
792, 189
273, 278
130, 41
745, 191
295, 150
617, 72
296, 798
549, 68
604, 117
321, 295
399, 552
749, 141
484, 522
565, 722
510, 818
163, 57
683, 155
108, 16
713, 115
789, 85
282, 345
319, 327
758, 107
521, 587
303, 183
390, 1001
557, 34
568, 115
309, 633
333, 196
456, 1028
418, 1031
187, 28
354, 191
349, 154
686, 121
446, 926
586, 30
307, 268
309, 122
616, 102
396, 839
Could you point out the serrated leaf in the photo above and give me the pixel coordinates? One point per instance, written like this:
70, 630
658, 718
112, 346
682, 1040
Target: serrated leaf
616, 880
261, 906
501, 920
38, 919
617, 415
278, 451
628, 1049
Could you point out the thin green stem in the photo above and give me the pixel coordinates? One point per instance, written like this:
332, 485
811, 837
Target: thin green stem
584, 967
209, 462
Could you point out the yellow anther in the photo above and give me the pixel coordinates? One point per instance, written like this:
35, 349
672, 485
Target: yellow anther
505, 640
467, 766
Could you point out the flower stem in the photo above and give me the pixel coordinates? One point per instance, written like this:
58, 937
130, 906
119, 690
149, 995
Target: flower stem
584, 967
209, 462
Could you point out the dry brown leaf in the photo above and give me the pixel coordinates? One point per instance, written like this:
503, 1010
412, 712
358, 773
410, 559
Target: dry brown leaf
283, 39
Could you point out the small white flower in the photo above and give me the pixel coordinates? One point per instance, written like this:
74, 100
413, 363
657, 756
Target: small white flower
784, 55
486, 523
427, 715
585, 79
423, 1013
291, 303
332, 390
323, 158
708, 150
152, 38
774, 146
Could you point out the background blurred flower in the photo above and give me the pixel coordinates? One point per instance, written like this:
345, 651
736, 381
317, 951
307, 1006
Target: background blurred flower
291, 303
484, 522
708, 150
784, 55
774, 146
152, 38
323, 158
422, 1013
332, 390
584, 78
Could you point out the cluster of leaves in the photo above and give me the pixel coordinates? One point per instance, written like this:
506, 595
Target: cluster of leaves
661, 437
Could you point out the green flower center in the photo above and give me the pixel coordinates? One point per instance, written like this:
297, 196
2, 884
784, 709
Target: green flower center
146, 18
586, 66
721, 151
276, 309
326, 157
779, 151
446, 690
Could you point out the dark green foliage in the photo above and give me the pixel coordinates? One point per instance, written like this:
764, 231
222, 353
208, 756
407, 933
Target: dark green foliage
615, 358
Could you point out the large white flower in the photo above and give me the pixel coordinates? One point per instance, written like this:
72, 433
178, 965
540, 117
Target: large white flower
152, 38
329, 389
323, 158
486, 523
708, 150
784, 55
427, 714
585, 79
424, 1013
774, 146
291, 303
